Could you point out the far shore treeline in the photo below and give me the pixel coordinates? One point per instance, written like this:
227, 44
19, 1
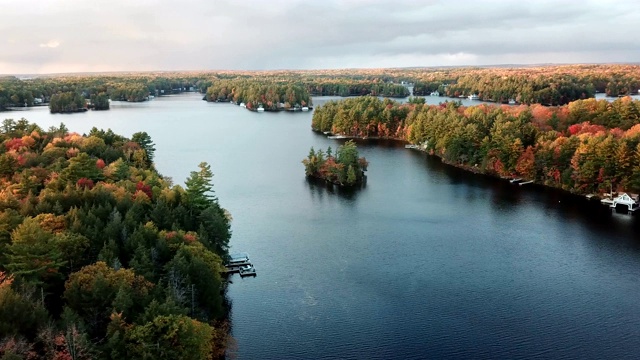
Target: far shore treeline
587, 146
547, 85
101, 257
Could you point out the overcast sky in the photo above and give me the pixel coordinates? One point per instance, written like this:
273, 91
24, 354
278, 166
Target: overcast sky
53, 36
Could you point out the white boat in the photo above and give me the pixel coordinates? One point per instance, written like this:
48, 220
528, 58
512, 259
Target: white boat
305, 108
243, 105
474, 97
260, 109
336, 137
435, 93
512, 102
247, 270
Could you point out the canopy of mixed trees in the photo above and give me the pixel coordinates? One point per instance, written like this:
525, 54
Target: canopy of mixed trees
271, 96
344, 168
100, 256
353, 87
549, 85
586, 146
98, 88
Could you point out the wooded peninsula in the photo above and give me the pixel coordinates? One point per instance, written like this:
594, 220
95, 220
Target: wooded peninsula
101, 256
587, 146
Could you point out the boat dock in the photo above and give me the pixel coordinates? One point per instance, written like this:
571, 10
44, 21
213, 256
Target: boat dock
525, 182
239, 263
622, 202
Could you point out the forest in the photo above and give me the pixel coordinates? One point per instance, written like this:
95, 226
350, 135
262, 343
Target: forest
96, 88
344, 168
587, 146
547, 85
101, 257
268, 95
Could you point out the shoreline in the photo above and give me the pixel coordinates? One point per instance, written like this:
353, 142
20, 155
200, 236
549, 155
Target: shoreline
471, 169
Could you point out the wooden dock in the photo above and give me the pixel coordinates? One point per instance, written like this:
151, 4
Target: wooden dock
525, 182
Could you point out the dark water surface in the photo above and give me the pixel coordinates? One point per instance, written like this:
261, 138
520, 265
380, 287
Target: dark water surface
425, 262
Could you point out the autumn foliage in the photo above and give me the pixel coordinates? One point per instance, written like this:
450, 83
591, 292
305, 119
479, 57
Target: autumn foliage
585, 146
99, 252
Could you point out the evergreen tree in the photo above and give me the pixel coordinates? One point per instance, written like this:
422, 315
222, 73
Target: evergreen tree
199, 189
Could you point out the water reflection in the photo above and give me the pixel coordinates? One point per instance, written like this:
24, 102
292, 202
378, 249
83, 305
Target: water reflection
320, 187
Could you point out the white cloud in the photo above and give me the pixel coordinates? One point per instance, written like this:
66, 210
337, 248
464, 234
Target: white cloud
50, 44
111, 35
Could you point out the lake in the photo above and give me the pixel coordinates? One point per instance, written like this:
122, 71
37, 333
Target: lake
426, 261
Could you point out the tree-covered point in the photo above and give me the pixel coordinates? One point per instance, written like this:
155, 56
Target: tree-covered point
587, 146
344, 168
67, 102
271, 96
101, 257
100, 101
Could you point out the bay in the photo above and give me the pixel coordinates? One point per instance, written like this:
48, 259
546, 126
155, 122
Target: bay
426, 261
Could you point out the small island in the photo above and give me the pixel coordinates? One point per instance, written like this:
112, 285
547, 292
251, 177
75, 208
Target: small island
67, 102
345, 168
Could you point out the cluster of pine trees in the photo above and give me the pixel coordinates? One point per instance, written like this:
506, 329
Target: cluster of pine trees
100, 256
344, 168
586, 146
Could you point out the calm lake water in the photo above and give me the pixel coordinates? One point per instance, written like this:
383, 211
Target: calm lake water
425, 262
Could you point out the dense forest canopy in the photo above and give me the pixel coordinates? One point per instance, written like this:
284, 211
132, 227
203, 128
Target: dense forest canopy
101, 257
586, 146
254, 94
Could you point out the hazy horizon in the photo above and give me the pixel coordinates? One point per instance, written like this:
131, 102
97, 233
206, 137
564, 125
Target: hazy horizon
70, 36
